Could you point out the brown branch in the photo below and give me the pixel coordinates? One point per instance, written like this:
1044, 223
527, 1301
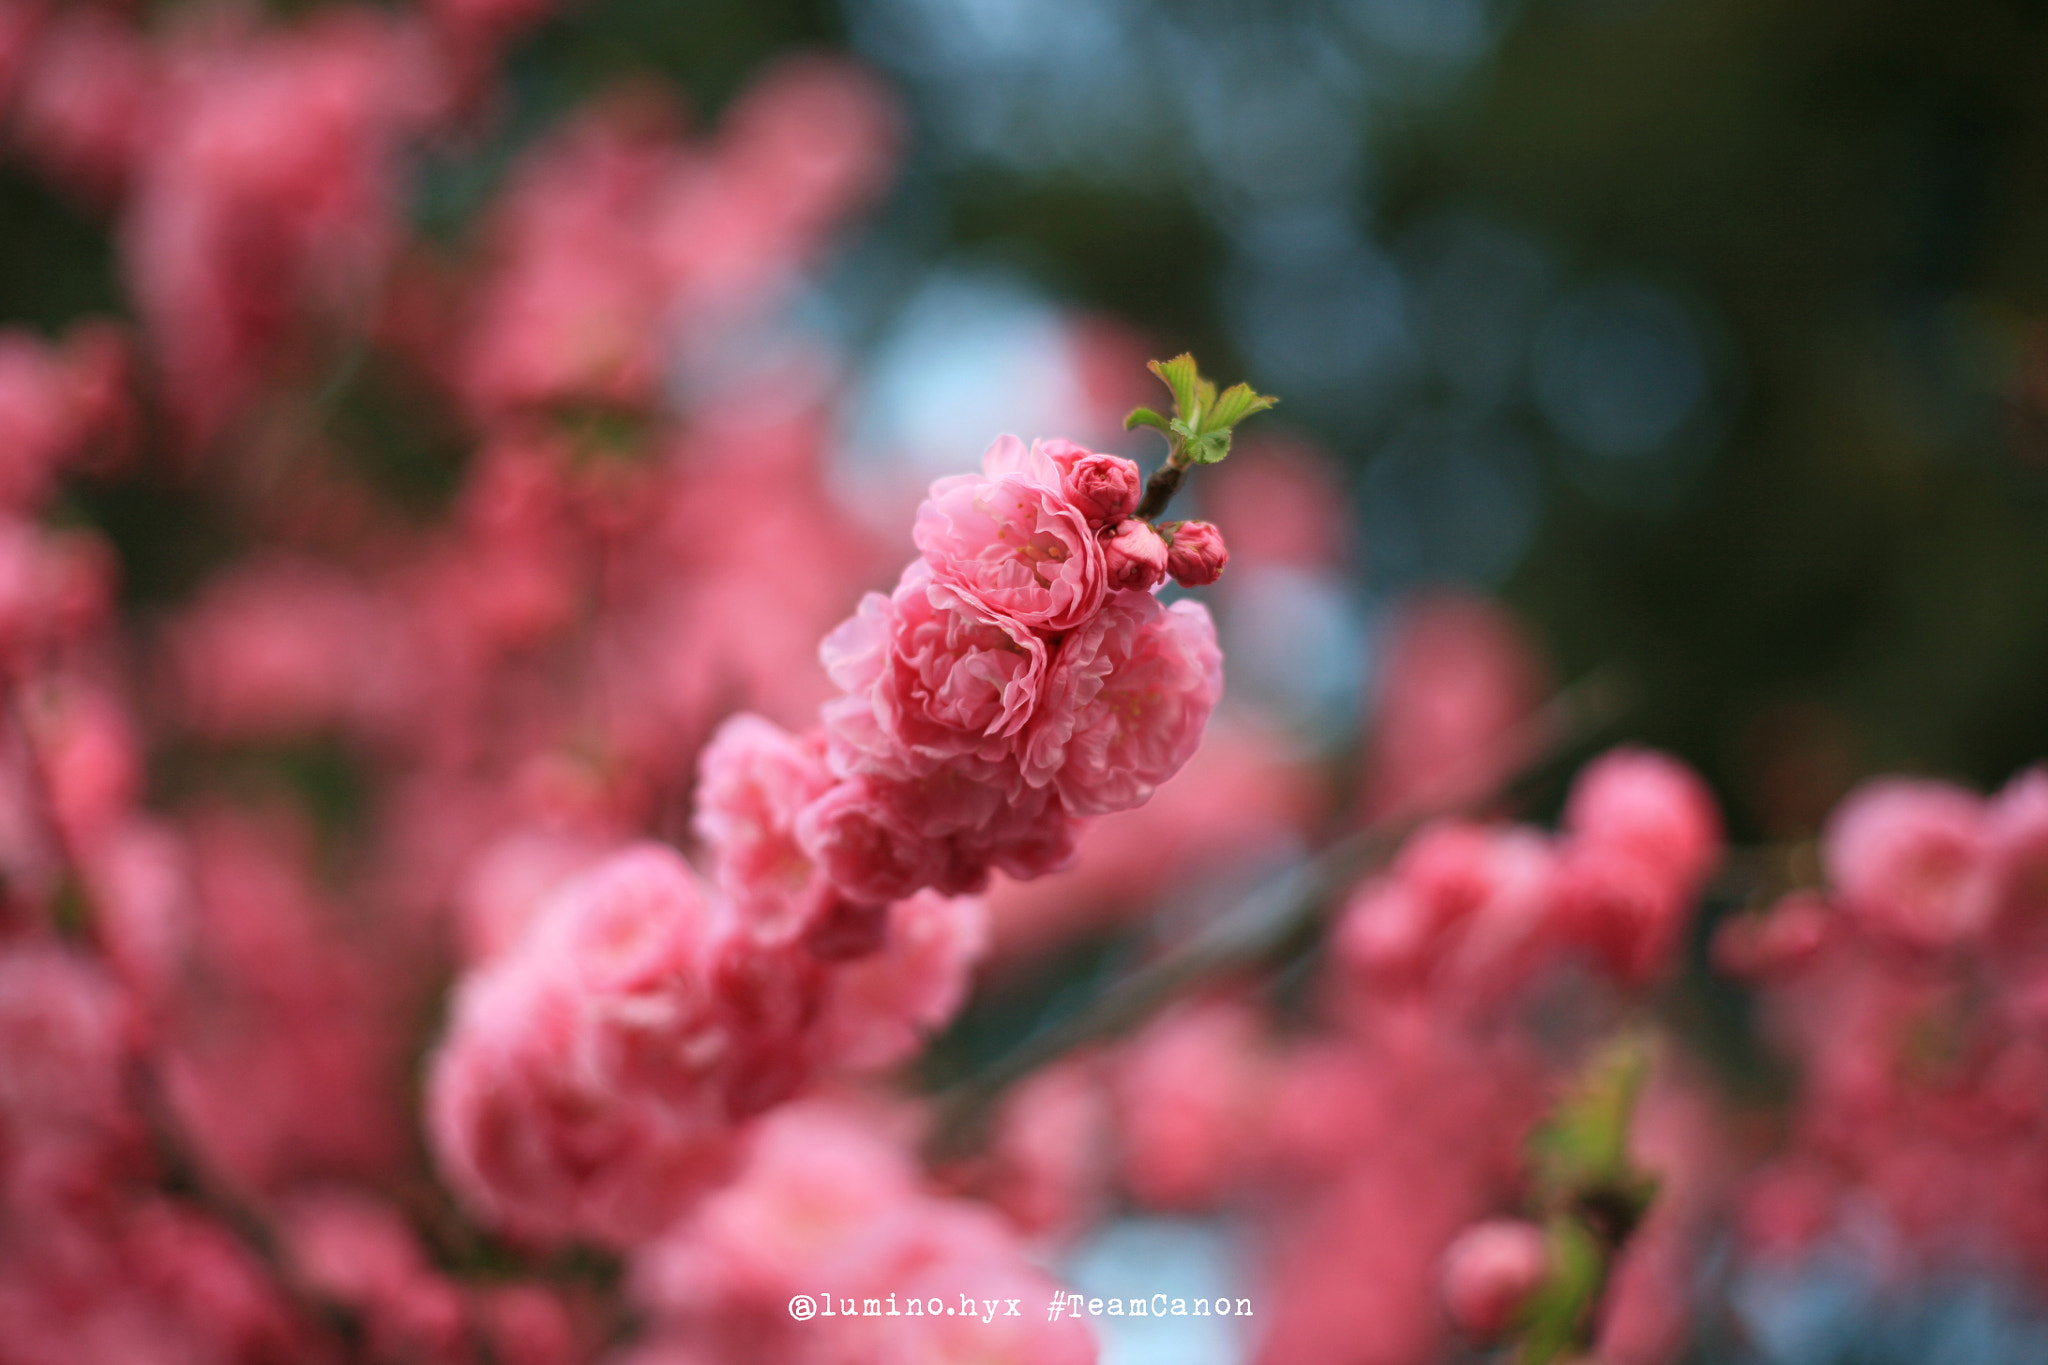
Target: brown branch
1160, 488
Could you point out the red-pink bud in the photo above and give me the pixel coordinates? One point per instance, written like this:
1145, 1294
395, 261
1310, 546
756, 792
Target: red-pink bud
1103, 488
1134, 555
1197, 555
1489, 1272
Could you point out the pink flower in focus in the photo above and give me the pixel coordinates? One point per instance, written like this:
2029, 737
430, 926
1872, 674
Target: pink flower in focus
1009, 541
1126, 700
1489, 1272
880, 841
1911, 858
1105, 488
933, 682
1134, 556
1244, 798
1197, 555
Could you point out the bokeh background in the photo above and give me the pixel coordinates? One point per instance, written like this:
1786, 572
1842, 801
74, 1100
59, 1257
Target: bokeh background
1709, 336
1706, 334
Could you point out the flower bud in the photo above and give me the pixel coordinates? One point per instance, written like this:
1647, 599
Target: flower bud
1134, 555
1197, 554
1489, 1272
1103, 488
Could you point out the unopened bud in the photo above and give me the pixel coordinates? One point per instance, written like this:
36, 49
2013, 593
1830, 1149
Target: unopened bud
1197, 554
1103, 488
1135, 555
1489, 1272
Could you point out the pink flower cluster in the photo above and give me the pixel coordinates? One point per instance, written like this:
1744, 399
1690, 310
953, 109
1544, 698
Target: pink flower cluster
1019, 677
595, 1071
1004, 690
1469, 980
1474, 911
1910, 993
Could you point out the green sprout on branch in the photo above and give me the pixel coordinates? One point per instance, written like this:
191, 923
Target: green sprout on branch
1199, 430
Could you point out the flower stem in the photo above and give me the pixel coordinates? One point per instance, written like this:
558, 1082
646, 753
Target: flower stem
1160, 488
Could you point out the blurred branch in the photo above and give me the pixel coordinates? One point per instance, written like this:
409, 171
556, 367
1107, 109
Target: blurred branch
1278, 920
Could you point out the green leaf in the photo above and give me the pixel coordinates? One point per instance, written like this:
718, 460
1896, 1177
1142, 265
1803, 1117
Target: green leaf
1555, 1317
1145, 417
1238, 402
1179, 375
1585, 1141
1208, 448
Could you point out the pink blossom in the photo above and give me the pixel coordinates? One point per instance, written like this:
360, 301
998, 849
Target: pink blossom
509, 882
1009, 541
933, 682
1779, 941
1048, 1166
66, 1031
1244, 798
1621, 907
883, 1008
1467, 912
1911, 858
57, 403
527, 1324
880, 840
1489, 1272
1461, 681
1650, 805
1105, 488
579, 1090
358, 1252
269, 191
2019, 848
1134, 556
1190, 1096
1125, 702
287, 1033
814, 1176
1197, 554
754, 779
85, 100
284, 647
